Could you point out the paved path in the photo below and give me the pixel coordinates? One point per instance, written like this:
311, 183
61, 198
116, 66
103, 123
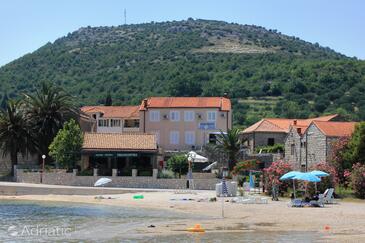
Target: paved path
15, 188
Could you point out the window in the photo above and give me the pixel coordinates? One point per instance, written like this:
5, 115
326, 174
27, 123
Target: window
175, 115
212, 116
213, 138
190, 138
188, 116
131, 123
174, 137
103, 123
292, 149
154, 116
270, 141
114, 122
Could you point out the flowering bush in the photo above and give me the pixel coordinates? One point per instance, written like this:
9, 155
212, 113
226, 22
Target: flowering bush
274, 172
358, 180
326, 182
340, 157
243, 166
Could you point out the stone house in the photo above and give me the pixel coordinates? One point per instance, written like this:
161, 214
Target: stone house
306, 146
270, 131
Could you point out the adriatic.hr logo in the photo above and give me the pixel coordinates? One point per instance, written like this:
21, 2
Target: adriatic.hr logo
39, 230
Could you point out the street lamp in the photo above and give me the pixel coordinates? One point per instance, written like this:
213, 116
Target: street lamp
191, 157
42, 171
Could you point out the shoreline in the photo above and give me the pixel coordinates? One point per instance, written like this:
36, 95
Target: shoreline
344, 219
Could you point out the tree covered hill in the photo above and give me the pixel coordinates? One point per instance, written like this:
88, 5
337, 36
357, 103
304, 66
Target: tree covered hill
265, 72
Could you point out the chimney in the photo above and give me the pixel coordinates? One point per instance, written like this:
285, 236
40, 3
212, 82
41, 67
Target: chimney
225, 95
295, 122
145, 103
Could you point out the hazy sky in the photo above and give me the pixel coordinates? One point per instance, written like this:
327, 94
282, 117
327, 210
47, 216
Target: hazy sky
26, 25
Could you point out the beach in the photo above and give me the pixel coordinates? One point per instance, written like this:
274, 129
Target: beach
343, 222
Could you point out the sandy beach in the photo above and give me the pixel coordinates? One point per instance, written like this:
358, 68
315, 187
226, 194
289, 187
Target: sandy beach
344, 221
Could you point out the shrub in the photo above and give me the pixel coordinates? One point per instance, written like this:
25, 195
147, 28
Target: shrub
326, 182
358, 180
178, 164
166, 174
276, 148
87, 172
243, 166
274, 172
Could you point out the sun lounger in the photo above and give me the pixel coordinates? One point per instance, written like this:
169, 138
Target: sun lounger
328, 196
250, 200
297, 203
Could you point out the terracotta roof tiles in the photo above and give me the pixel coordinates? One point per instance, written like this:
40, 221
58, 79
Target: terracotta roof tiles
222, 103
336, 129
282, 124
119, 141
113, 111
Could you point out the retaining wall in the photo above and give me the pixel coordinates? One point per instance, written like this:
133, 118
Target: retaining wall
71, 179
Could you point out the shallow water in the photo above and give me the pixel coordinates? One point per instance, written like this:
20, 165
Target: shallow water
69, 222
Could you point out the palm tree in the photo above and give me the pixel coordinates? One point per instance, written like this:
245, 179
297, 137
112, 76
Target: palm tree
15, 136
47, 110
230, 144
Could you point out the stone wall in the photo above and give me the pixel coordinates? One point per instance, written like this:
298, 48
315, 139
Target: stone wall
258, 139
70, 179
5, 162
293, 157
316, 146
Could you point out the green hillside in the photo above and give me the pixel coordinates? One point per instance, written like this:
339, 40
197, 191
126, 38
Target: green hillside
265, 72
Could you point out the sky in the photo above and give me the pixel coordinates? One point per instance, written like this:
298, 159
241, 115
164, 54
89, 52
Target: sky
26, 25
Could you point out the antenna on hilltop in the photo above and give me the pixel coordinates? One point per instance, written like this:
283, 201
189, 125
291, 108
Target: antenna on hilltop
125, 16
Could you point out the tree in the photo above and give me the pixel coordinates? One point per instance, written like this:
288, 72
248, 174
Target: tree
66, 146
46, 111
15, 136
108, 100
230, 143
357, 144
178, 164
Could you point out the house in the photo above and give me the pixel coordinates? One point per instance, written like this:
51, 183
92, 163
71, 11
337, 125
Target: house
270, 131
115, 135
185, 123
305, 146
121, 151
113, 119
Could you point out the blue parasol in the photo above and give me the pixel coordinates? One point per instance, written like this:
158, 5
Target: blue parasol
319, 173
289, 175
307, 177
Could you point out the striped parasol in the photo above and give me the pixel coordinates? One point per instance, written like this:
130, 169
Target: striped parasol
224, 187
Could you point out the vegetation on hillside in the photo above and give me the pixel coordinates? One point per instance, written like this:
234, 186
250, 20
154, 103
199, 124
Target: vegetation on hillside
196, 58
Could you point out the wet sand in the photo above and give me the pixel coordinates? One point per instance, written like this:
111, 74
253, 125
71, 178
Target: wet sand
342, 222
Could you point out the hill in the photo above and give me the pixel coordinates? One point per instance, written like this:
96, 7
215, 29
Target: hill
194, 58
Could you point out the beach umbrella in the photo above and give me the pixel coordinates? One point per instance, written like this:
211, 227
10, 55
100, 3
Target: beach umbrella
102, 181
288, 176
209, 167
196, 158
318, 173
252, 183
224, 193
307, 177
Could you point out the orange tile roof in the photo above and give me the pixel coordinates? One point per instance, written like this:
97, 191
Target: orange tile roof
282, 124
335, 129
113, 111
119, 142
222, 103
